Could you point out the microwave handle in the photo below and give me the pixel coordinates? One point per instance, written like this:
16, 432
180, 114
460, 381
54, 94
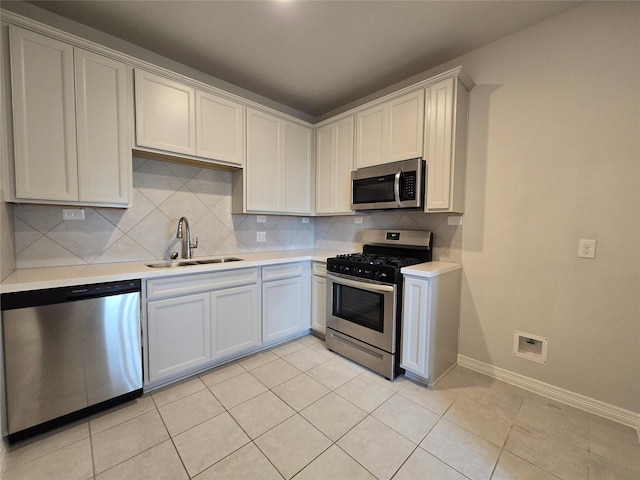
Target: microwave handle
396, 187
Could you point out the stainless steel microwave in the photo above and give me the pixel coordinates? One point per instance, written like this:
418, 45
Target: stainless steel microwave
389, 186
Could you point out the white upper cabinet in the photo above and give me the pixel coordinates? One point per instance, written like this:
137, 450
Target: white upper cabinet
103, 89
175, 118
219, 128
263, 162
391, 131
165, 114
72, 123
446, 145
334, 163
406, 126
372, 138
277, 175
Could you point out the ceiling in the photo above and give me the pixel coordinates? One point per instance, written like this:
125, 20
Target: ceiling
312, 56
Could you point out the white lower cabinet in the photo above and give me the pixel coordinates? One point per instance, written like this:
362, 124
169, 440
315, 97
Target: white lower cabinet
196, 320
430, 316
319, 298
179, 331
235, 320
285, 300
200, 320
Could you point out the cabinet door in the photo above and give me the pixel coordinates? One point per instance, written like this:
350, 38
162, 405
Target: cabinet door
439, 145
104, 128
324, 169
406, 125
285, 308
296, 168
235, 320
415, 325
318, 303
219, 129
344, 152
43, 117
263, 162
372, 137
334, 163
165, 114
179, 332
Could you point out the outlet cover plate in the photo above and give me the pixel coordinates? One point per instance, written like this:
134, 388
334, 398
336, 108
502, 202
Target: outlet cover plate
587, 248
72, 214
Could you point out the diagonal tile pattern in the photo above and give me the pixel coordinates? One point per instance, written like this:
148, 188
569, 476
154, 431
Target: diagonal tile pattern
165, 191
279, 415
162, 193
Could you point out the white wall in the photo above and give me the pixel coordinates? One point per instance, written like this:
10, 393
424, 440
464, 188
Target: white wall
553, 157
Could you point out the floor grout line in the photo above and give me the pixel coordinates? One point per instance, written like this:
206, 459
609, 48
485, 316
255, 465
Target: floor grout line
312, 347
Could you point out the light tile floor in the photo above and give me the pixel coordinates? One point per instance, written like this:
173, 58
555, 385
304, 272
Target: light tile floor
299, 411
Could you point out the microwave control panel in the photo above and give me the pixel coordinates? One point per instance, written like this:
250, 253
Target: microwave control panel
409, 182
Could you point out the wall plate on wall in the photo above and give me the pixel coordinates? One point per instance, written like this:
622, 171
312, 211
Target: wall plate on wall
530, 347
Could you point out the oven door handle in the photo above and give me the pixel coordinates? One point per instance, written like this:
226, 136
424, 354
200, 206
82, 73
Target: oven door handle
396, 187
361, 284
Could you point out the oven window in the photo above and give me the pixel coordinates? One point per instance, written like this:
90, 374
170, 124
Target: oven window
372, 190
359, 306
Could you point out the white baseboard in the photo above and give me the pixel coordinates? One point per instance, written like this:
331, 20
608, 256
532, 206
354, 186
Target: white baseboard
558, 394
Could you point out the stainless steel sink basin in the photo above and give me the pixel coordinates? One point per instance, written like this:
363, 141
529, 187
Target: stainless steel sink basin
186, 263
170, 264
219, 260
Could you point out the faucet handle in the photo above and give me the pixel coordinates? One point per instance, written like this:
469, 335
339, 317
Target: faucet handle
195, 245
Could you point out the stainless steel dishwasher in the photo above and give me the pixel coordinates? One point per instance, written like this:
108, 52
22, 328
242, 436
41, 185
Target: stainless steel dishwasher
69, 352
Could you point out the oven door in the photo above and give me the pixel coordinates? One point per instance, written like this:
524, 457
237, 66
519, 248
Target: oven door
362, 309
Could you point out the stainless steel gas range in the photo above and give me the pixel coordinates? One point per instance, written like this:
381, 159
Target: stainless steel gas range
364, 297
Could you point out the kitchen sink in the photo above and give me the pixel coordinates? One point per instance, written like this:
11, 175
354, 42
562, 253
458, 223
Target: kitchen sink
186, 263
220, 260
170, 264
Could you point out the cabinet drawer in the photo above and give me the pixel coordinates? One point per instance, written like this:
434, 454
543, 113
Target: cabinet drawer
284, 270
198, 282
319, 268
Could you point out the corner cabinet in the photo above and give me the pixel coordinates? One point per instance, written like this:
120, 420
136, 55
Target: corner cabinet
175, 118
278, 176
391, 131
446, 145
71, 123
430, 317
334, 163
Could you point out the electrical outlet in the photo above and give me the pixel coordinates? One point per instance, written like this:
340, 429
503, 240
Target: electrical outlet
261, 237
305, 219
357, 220
587, 248
261, 218
72, 214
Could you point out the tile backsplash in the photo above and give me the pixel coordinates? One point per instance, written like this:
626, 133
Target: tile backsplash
343, 233
163, 192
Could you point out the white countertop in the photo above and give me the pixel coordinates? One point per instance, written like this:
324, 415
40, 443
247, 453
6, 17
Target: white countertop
431, 269
51, 277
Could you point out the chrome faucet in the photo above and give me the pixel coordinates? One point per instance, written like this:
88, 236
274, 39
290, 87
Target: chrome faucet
187, 246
